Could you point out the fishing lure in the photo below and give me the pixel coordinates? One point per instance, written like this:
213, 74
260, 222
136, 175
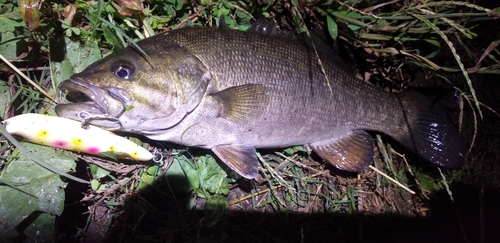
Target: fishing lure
68, 134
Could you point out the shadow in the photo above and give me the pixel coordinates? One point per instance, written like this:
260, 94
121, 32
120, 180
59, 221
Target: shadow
166, 214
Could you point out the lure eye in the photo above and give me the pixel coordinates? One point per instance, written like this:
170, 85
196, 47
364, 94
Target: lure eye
123, 71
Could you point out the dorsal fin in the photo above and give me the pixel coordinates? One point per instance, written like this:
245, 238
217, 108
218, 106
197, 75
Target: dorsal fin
222, 23
264, 27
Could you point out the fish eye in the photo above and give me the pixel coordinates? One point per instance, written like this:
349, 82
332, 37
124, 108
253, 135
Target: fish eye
123, 71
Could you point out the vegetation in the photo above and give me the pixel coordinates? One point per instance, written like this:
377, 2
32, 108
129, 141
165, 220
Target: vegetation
184, 194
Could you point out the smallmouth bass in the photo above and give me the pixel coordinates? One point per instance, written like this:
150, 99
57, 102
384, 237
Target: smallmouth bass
232, 92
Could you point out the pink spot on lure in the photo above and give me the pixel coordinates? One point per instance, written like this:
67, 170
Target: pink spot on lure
93, 150
60, 143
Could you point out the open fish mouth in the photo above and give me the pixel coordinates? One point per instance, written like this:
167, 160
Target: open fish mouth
100, 106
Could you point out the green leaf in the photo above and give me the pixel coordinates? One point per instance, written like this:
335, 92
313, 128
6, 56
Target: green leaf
95, 184
82, 56
19, 209
129, 107
68, 57
182, 175
112, 38
152, 170
353, 27
433, 42
294, 149
190, 172
215, 208
147, 180
213, 177
12, 45
5, 100
8, 8
76, 30
23, 169
9, 25
178, 4
98, 172
332, 27
132, 42
41, 229
427, 182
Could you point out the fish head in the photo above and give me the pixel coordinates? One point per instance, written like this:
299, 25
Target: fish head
128, 92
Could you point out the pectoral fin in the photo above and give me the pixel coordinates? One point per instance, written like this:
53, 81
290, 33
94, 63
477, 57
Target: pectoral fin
241, 102
240, 158
353, 152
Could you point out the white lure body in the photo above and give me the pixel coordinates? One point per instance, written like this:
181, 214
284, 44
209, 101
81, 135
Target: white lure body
68, 134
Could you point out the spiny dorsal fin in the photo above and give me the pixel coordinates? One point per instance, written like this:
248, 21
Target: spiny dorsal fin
353, 152
241, 102
264, 27
240, 158
222, 23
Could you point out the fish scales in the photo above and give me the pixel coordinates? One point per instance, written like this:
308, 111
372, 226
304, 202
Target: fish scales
271, 60
232, 91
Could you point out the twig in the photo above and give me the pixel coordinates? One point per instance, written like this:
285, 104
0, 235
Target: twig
275, 174
26, 78
411, 172
251, 195
391, 179
303, 165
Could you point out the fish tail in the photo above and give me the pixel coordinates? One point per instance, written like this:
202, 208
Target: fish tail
431, 122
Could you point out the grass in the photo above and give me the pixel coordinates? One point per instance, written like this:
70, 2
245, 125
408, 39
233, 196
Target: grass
186, 196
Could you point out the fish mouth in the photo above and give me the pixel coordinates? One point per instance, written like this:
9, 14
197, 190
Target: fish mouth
100, 106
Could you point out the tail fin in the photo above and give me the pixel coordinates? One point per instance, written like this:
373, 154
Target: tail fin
435, 135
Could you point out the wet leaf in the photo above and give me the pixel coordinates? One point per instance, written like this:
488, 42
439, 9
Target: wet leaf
46, 193
214, 178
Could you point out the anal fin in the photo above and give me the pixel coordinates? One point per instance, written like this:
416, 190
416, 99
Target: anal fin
353, 152
240, 158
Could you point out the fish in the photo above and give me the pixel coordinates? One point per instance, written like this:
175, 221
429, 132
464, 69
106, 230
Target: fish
234, 91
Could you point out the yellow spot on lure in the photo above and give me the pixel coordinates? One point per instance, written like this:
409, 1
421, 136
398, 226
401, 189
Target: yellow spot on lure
68, 134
